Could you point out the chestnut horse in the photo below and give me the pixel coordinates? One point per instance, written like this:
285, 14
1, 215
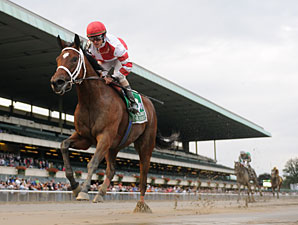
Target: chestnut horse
276, 182
101, 119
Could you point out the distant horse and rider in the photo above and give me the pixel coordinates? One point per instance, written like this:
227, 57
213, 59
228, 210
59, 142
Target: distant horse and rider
102, 118
276, 181
245, 175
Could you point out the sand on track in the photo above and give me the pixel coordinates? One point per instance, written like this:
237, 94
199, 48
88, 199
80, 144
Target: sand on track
207, 211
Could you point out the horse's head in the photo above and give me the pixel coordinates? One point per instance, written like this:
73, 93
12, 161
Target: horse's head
70, 66
274, 172
237, 166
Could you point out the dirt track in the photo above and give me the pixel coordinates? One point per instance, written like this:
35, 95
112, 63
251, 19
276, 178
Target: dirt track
264, 211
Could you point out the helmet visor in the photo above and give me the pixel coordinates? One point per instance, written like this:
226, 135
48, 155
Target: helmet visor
96, 38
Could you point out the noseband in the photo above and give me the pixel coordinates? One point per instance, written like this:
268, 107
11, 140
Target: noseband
76, 72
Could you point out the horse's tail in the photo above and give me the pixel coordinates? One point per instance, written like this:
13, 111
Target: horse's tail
166, 142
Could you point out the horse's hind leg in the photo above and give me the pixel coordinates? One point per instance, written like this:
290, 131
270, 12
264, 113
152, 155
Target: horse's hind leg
144, 146
250, 193
260, 190
75, 141
144, 168
110, 172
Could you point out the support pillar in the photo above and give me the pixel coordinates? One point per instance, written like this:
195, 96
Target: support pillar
215, 151
11, 107
60, 113
185, 145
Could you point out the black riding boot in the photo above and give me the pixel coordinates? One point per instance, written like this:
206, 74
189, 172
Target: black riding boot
133, 105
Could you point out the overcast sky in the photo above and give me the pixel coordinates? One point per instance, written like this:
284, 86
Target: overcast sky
239, 54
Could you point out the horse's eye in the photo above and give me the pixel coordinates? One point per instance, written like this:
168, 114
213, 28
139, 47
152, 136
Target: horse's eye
74, 59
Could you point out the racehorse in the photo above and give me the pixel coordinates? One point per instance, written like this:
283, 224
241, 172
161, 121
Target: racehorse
101, 119
243, 178
276, 181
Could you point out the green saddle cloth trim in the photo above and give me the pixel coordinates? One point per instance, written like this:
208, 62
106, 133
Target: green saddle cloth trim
141, 116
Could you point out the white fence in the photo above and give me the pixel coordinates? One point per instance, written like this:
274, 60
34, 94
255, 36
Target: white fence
64, 196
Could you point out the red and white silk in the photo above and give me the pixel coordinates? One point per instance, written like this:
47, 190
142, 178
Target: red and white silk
113, 51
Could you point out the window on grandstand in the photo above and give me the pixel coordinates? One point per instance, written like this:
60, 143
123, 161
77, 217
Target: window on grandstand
5, 102
206, 148
192, 146
41, 111
22, 106
55, 114
178, 145
70, 118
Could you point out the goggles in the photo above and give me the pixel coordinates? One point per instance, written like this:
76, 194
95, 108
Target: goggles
96, 38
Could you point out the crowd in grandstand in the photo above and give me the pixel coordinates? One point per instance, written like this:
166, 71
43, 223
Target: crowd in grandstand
16, 183
13, 160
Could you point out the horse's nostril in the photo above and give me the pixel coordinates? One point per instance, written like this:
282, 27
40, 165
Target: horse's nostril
60, 82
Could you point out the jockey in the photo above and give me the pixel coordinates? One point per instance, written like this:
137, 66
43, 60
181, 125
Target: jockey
275, 170
110, 51
245, 157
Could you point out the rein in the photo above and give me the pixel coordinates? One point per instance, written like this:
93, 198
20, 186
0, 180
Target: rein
115, 84
76, 72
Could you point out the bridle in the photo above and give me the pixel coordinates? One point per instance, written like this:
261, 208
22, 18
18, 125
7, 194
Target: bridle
76, 72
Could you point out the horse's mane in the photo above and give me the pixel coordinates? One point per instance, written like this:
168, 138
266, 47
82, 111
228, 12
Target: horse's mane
93, 62
89, 57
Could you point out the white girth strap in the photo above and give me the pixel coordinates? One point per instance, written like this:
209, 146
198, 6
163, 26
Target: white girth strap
76, 72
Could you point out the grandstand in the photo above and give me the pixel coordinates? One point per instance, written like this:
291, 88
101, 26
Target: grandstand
28, 52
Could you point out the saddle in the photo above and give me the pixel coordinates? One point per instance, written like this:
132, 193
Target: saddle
251, 173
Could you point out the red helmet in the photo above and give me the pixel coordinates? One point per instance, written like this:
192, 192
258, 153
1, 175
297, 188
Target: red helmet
95, 28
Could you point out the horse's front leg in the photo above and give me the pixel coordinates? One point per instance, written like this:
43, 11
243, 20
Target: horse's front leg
77, 142
110, 172
102, 147
238, 185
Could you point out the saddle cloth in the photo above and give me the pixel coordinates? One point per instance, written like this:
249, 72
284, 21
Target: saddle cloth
251, 173
141, 116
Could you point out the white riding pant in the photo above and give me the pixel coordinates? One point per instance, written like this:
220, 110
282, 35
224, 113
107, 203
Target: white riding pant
117, 65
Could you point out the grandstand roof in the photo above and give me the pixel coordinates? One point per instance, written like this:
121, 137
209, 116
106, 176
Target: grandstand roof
28, 52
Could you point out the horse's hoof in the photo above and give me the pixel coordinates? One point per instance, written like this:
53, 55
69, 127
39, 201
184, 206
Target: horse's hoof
142, 207
97, 198
82, 196
76, 191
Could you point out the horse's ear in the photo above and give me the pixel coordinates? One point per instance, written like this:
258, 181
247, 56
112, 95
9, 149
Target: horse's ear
61, 43
77, 41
